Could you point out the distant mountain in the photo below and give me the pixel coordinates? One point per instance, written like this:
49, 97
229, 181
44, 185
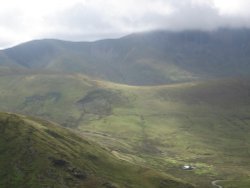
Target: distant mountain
150, 58
37, 153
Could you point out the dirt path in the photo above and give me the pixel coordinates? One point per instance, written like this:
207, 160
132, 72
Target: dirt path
215, 183
122, 157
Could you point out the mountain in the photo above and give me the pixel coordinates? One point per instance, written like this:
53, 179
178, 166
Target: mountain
147, 104
151, 58
38, 153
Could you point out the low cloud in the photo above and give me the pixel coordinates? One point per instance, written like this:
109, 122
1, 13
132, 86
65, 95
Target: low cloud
80, 20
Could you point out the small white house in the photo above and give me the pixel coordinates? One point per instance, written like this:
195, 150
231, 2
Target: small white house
187, 167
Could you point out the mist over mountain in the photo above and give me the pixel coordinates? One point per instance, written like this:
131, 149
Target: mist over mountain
125, 94
149, 58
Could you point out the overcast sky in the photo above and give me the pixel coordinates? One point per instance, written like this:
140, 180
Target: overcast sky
84, 20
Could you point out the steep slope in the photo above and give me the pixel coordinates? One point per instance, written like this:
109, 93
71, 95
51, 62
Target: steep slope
37, 153
158, 57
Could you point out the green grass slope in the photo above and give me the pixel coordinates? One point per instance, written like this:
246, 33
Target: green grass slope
205, 124
37, 153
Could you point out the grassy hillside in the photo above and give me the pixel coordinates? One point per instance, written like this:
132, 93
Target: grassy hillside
151, 58
205, 124
37, 153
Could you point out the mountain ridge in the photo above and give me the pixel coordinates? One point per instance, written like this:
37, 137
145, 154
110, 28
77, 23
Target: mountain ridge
151, 58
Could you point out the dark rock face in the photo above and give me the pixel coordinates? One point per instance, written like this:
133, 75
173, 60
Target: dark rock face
59, 162
109, 185
75, 172
101, 102
51, 96
54, 134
